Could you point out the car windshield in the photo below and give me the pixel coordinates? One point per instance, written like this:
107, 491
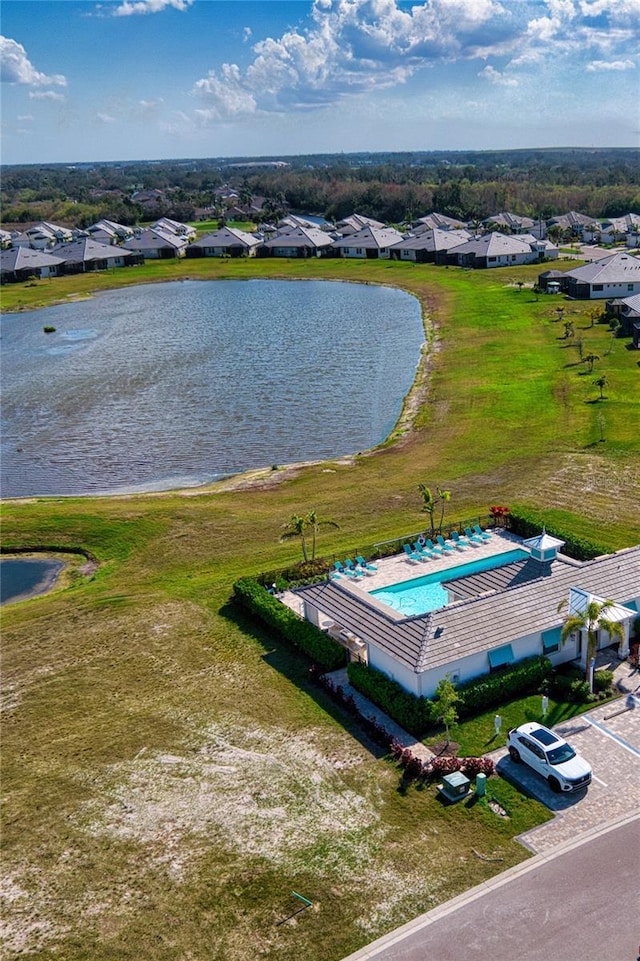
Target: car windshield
561, 754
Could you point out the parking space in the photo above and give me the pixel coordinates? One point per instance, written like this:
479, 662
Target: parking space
609, 738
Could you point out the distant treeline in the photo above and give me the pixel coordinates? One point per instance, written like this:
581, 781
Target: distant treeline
393, 188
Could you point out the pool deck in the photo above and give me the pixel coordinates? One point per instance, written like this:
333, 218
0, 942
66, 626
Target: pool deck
393, 570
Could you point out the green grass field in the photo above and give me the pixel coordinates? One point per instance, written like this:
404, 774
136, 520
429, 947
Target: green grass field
170, 776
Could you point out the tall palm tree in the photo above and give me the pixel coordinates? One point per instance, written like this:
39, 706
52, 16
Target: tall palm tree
296, 526
429, 505
444, 497
316, 525
592, 619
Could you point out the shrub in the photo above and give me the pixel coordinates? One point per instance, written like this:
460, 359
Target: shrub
522, 678
303, 635
602, 681
414, 714
526, 523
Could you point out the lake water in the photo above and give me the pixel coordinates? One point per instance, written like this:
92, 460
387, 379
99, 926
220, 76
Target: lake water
25, 577
168, 385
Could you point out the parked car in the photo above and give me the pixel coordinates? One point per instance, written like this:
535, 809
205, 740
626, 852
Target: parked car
550, 755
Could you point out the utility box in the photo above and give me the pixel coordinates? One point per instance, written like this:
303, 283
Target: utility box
454, 786
481, 785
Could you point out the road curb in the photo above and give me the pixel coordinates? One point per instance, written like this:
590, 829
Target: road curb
374, 949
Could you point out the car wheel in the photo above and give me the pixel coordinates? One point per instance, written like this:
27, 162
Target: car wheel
514, 755
554, 784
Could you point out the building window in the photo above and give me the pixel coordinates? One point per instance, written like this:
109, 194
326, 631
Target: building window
597, 287
630, 287
491, 260
500, 657
551, 641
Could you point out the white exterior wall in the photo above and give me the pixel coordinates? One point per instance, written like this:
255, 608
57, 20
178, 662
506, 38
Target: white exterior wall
407, 678
513, 260
609, 291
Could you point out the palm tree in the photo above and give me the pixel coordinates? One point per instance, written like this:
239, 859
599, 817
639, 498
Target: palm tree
296, 526
592, 619
316, 525
429, 504
601, 382
431, 501
444, 497
590, 359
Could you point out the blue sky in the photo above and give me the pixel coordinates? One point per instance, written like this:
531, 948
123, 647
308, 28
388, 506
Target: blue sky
153, 79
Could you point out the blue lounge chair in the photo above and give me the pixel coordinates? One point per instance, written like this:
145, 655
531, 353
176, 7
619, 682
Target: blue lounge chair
351, 568
365, 565
423, 551
438, 552
411, 555
471, 537
460, 542
444, 544
340, 568
485, 535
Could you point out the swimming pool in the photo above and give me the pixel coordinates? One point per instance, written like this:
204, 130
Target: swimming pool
426, 593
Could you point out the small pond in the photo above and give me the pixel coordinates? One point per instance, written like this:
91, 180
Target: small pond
178, 384
25, 577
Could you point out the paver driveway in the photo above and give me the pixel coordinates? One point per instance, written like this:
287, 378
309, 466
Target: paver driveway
609, 738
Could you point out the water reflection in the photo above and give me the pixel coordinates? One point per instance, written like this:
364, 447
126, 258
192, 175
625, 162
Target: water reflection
176, 384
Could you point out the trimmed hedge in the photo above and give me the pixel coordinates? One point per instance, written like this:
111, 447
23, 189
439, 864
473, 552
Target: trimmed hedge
482, 692
414, 714
276, 615
418, 714
528, 523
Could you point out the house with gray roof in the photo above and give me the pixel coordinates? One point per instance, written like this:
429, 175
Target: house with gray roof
491, 618
169, 226
109, 232
42, 236
156, 244
497, 250
354, 223
297, 242
436, 221
225, 242
370, 243
509, 223
612, 231
85, 254
615, 276
627, 310
572, 222
429, 246
23, 263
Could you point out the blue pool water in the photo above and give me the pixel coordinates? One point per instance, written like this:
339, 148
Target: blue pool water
426, 593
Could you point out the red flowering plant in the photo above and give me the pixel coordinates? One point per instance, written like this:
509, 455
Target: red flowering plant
499, 514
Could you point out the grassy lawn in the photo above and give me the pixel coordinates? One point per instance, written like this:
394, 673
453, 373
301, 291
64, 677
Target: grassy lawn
169, 774
477, 736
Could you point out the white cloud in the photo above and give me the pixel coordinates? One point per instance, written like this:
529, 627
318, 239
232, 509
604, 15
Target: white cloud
140, 7
25, 117
247, 33
597, 65
15, 67
354, 46
45, 95
105, 118
494, 76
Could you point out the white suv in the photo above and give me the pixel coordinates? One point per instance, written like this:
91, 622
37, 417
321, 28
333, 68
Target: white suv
550, 756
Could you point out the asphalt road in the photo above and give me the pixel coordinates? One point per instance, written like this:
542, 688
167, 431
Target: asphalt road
581, 903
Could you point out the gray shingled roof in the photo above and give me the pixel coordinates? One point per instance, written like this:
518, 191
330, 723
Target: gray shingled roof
620, 268
520, 599
433, 240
